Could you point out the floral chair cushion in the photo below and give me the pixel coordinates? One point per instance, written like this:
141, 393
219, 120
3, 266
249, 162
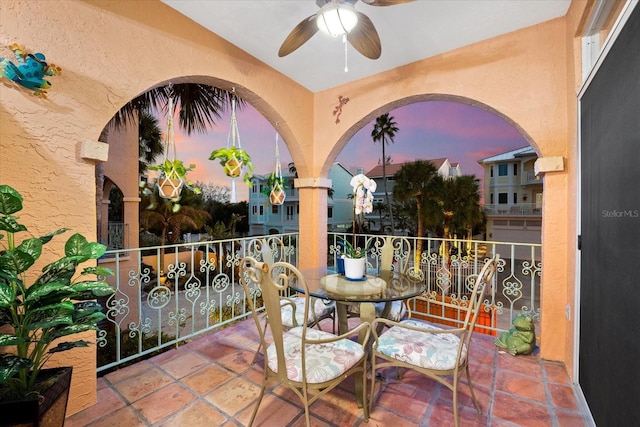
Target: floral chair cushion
421, 348
324, 361
321, 310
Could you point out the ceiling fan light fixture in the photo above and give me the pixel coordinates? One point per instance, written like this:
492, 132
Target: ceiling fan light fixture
337, 19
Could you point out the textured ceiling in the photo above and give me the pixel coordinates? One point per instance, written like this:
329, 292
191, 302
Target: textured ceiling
408, 32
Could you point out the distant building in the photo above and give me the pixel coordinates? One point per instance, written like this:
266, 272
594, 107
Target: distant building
512, 197
445, 169
265, 218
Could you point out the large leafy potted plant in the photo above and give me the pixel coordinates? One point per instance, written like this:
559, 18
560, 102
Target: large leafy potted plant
48, 311
233, 159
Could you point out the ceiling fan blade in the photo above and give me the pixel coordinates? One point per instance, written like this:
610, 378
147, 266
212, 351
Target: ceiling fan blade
364, 37
385, 2
299, 36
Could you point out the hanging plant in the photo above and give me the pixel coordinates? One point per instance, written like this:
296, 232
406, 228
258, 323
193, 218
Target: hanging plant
173, 177
275, 189
173, 172
233, 159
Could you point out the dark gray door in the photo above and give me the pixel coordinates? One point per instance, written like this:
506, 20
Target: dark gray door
609, 358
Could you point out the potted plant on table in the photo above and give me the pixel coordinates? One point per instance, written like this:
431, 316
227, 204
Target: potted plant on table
233, 159
355, 258
33, 317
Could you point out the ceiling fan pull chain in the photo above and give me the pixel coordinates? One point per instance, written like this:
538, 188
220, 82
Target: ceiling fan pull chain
344, 41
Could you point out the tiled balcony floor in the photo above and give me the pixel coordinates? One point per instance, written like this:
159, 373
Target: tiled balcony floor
211, 382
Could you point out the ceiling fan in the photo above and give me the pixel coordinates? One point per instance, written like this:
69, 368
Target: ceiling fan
339, 17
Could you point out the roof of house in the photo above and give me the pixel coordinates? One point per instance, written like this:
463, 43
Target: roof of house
509, 155
393, 168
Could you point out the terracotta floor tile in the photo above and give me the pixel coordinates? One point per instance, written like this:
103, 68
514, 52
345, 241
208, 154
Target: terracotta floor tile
145, 383
234, 395
570, 419
199, 414
239, 362
397, 397
521, 386
273, 411
187, 363
211, 381
164, 402
128, 372
523, 364
110, 401
125, 417
556, 372
206, 379
563, 396
520, 412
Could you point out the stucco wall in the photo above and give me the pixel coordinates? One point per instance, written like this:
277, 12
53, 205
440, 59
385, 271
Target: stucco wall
110, 51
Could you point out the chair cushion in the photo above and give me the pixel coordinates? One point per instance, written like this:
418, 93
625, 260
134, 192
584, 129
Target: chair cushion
421, 348
321, 310
324, 361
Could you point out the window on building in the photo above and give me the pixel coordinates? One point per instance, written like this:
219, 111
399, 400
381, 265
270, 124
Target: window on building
491, 171
254, 210
261, 210
289, 213
515, 169
254, 187
515, 198
492, 201
503, 198
274, 209
503, 169
330, 212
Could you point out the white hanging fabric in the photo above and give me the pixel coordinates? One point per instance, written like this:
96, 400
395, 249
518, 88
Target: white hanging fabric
233, 140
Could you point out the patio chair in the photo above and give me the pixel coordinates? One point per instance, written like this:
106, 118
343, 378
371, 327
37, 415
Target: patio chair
301, 358
293, 310
438, 352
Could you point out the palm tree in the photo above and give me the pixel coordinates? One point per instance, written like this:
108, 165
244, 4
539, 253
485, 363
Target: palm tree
150, 144
384, 131
460, 204
165, 217
418, 180
199, 105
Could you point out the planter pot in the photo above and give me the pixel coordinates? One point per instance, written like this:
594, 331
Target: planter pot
430, 310
48, 409
276, 197
233, 168
170, 188
354, 268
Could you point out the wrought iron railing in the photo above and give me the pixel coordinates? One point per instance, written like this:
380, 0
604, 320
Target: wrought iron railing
517, 209
167, 295
516, 287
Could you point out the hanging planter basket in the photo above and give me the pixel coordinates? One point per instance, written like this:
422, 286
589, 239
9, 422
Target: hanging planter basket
277, 195
233, 167
170, 188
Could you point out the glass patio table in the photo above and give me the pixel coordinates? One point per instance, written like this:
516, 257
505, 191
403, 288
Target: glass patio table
385, 287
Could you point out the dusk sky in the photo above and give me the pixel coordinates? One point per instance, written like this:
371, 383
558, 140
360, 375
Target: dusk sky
427, 130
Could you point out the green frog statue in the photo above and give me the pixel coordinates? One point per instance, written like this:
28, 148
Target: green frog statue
521, 339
